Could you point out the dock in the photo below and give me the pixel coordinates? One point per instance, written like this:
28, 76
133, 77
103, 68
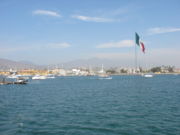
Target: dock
5, 83
20, 81
8, 83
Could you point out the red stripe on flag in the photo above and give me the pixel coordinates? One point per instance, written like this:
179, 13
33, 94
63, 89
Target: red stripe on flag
142, 47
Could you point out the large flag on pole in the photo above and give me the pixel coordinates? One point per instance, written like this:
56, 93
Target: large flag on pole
139, 43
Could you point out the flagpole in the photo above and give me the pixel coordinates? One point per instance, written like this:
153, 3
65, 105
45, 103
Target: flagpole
140, 44
135, 58
136, 53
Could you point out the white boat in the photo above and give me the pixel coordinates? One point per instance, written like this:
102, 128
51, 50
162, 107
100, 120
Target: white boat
148, 75
106, 78
50, 76
39, 77
12, 76
103, 75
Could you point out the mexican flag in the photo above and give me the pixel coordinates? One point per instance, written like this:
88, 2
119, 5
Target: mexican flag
139, 43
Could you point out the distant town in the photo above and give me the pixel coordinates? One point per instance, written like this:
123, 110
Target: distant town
11, 68
83, 71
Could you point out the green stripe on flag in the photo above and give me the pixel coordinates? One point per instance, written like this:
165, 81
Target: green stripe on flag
137, 38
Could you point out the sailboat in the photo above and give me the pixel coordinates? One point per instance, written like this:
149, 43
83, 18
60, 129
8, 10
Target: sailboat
103, 75
142, 46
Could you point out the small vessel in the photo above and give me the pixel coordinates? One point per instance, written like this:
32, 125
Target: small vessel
50, 76
16, 76
21, 80
13, 76
103, 75
39, 77
107, 78
148, 75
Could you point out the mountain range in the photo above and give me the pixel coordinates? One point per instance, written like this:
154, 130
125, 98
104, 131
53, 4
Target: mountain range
6, 64
10, 64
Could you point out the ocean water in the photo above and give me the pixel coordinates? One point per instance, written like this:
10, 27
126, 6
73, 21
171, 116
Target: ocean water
125, 105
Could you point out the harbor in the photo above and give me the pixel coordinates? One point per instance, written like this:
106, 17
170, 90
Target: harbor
126, 104
14, 76
89, 67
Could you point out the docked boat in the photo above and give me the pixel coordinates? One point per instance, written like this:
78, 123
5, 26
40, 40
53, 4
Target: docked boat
21, 80
39, 77
12, 76
50, 76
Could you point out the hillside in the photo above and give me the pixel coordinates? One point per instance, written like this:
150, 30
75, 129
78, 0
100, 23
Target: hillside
7, 64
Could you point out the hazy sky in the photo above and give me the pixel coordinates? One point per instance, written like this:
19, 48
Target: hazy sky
55, 31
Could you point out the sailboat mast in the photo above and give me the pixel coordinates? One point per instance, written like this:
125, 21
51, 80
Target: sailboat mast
102, 68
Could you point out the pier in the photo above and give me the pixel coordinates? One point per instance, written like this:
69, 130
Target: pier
19, 81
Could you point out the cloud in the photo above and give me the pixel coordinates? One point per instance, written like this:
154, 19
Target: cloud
91, 19
158, 30
46, 12
120, 44
59, 45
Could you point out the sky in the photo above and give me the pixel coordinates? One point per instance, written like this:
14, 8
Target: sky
56, 31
